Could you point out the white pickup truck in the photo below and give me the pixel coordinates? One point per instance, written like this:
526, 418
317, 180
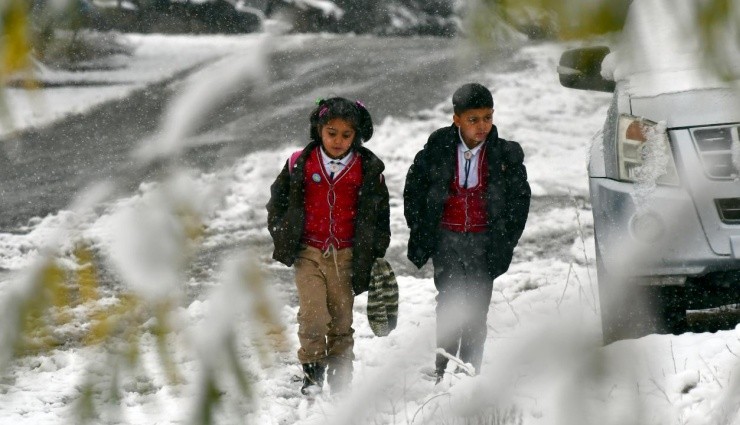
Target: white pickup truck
663, 174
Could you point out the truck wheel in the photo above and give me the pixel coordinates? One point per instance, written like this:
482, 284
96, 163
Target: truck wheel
629, 310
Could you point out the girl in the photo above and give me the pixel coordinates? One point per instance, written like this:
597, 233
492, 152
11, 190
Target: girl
328, 216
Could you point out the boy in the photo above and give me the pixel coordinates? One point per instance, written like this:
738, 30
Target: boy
466, 201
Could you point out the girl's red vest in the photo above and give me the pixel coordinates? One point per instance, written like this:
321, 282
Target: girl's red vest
330, 206
465, 209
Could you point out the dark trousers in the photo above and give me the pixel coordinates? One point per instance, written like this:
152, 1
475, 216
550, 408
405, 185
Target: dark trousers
465, 287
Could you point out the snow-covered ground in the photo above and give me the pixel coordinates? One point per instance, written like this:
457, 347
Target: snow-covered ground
543, 360
154, 59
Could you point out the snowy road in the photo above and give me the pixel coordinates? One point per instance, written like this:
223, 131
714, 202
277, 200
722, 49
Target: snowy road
396, 76
543, 343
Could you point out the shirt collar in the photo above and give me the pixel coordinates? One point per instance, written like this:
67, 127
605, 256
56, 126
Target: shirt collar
462, 147
344, 160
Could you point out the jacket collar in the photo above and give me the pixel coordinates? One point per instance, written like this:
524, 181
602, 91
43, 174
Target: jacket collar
454, 137
371, 164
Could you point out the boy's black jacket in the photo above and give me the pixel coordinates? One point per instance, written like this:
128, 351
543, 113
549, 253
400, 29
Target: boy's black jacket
428, 183
372, 225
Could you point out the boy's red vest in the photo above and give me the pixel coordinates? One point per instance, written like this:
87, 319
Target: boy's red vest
465, 209
330, 206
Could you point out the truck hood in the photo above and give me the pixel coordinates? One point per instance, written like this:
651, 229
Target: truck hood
699, 107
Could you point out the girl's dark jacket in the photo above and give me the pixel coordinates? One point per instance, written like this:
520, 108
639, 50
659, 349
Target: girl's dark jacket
427, 186
372, 225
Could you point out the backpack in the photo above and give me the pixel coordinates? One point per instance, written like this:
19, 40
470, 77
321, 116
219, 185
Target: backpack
293, 159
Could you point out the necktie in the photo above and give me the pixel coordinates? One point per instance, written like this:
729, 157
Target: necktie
468, 155
333, 168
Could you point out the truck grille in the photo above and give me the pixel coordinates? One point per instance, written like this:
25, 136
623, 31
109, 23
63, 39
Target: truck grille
715, 149
729, 210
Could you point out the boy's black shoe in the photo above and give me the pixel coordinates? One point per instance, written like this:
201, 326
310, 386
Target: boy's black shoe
313, 378
439, 374
463, 370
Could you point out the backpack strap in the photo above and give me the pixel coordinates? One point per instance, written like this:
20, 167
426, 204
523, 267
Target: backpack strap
293, 159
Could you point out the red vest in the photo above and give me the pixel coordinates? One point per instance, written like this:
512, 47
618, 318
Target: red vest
330, 207
465, 209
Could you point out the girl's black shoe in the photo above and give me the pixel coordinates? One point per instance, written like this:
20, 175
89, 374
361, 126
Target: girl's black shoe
313, 378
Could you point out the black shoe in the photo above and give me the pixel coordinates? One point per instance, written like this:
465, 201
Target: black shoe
439, 374
463, 371
339, 375
313, 378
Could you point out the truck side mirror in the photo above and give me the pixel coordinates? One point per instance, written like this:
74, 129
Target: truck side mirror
581, 69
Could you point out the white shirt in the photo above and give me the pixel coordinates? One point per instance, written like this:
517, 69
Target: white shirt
335, 166
462, 148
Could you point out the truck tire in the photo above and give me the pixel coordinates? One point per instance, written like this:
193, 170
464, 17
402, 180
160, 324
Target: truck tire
630, 310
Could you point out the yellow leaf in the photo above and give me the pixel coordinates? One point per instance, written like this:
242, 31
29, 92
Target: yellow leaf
99, 328
54, 281
15, 39
572, 19
40, 307
161, 332
86, 274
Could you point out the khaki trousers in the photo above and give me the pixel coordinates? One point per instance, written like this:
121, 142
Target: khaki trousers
325, 298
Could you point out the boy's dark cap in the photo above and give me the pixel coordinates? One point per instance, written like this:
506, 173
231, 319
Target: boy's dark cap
471, 96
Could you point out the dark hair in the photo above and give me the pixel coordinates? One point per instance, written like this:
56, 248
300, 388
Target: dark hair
354, 113
471, 96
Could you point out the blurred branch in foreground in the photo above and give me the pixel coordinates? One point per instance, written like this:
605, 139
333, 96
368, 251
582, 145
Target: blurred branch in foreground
122, 300
493, 25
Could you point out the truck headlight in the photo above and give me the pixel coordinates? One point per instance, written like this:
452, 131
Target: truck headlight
643, 152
